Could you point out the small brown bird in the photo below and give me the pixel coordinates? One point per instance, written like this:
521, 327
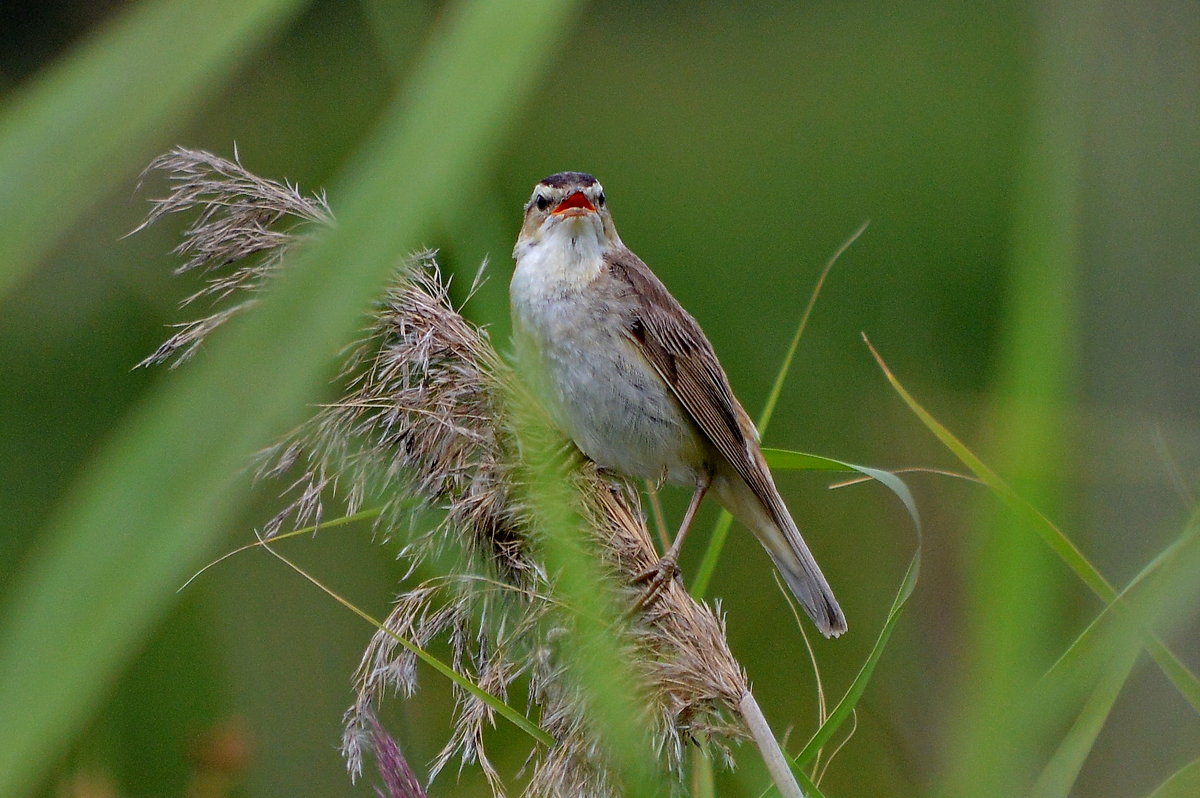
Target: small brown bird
631, 378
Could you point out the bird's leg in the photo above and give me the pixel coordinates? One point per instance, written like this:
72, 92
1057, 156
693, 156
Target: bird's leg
656, 510
667, 568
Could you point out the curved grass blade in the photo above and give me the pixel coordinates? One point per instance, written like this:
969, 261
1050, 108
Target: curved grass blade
716, 540
362, 515
790, 460
1184, 680
846, 706
781, 377
156, 499
502, 709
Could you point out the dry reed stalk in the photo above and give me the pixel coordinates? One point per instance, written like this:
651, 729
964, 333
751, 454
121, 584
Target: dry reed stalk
426, 422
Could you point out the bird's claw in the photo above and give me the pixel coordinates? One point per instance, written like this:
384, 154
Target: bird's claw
656, 579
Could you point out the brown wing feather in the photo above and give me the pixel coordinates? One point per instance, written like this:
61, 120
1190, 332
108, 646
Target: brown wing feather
676, 347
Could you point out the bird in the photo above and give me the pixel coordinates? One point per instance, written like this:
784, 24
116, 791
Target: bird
630, 377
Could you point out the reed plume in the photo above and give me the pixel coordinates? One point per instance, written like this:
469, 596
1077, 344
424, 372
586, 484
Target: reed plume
431, 418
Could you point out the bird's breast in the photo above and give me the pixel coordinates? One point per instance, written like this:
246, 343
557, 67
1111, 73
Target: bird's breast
570, 334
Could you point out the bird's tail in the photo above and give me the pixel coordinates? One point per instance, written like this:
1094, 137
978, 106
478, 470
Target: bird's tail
772, 524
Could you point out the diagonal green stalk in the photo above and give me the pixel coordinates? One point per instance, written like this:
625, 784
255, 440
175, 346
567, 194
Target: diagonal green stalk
498, 705
158, 497
1183, 679
1060, 773
781, 376
102, 111
595, 651
716, 540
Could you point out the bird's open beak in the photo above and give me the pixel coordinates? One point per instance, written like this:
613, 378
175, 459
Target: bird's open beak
575, 205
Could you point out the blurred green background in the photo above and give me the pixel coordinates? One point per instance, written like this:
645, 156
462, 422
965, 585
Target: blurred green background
1031, 173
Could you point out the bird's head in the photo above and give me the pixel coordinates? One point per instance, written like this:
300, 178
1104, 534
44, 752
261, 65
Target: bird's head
570, 203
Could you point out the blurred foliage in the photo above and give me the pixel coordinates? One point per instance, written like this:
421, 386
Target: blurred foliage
739, 147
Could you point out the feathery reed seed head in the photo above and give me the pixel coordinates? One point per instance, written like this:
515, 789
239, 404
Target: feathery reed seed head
426, 421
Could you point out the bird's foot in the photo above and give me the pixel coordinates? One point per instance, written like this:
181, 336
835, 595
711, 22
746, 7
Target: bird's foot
656, 579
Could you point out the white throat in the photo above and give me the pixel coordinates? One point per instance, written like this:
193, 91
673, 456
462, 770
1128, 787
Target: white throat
570, 250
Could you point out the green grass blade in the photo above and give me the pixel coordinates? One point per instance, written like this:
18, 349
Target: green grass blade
698, 585
1154, 601
788, 460
100, 113
1010, 588
781, 376
845, 707
595, 654
841, 713
811, 790
1060, 773
1184, 680
784, 459
703, 785
153, 504
1162, 595
362, 515
502, 709
1085, 643
716, 539
1184, 783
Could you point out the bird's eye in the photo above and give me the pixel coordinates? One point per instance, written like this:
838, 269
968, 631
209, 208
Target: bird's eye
600, 199
541, 202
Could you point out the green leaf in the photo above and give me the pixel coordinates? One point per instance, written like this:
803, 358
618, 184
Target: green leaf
845, 707
153, 504
703, 785
811, 790
1060, 773
716, 540
788, 460
1184, 680
95, 117
785, 459
712, 554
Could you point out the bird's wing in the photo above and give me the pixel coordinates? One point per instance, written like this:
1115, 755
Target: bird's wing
673, 343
